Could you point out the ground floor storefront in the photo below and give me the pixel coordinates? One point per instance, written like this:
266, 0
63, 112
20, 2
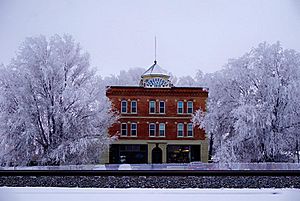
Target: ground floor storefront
175, 151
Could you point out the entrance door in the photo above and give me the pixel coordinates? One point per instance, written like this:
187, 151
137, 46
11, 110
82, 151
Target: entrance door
156, 155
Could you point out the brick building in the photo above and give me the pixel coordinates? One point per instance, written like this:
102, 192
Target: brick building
155, 121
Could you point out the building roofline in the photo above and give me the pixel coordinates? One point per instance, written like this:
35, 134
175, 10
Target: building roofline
140, 87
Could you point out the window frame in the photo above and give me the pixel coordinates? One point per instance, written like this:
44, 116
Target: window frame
187, 107
188, 130
153, 107
124, 101
182, 126
134, 101
164, 130
133, 129
180, 108
152, 129
126, 129
164, 108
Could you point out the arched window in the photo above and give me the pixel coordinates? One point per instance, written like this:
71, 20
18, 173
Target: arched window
179, 107
162, 107
152, 128
190, 107
180, 130
190, 130
123, 129
152, 107
133, 107
162, 130
133, 129
124, 106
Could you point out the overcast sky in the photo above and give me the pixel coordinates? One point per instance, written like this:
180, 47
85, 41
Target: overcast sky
120, 34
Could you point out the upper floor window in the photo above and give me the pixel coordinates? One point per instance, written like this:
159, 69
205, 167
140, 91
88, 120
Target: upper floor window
162, 107
133, 107
124, 106
152, 130
124, 129
180, 130
162, 130
179, 107
152, 107
190, 107
133, 129
190, 130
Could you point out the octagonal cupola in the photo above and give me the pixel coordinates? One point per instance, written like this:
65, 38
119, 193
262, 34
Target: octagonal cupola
155, 77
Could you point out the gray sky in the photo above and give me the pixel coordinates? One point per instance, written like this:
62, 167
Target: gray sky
120, 34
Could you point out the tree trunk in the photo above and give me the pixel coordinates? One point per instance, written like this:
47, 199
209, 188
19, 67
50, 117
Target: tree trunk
297, 150
210, 147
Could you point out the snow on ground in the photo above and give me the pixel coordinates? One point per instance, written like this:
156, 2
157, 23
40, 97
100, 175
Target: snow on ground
134, 194
167, 166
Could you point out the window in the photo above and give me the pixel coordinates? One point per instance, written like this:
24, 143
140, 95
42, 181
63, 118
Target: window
152, 107
180, 107
162, 107
190, 107
124, 106
124, 129
152, 130
133, 107
190, 130
180, 130
133, 129
162, 130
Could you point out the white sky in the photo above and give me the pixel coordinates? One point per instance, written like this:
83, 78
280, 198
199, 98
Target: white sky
191, 34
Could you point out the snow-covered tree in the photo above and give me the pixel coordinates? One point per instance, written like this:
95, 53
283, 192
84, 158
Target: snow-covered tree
252, 109
199, 80
53, 107
131, 77
186, 81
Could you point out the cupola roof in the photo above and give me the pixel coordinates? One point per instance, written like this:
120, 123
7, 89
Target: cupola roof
155, 70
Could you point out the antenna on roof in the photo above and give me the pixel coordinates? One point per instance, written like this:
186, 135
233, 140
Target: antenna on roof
155, 50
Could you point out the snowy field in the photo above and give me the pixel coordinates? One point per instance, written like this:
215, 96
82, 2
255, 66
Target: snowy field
132, 194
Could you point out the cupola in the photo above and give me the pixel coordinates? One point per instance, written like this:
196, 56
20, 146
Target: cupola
155, 77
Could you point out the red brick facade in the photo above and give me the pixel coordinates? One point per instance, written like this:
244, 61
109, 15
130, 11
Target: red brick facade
143, 118
168, 148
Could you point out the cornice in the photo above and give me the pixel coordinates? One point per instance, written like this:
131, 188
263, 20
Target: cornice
140, 91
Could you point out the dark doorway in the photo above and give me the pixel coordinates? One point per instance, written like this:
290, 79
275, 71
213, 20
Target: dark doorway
156, 155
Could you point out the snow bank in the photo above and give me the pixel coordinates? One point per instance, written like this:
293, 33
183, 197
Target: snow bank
93, 194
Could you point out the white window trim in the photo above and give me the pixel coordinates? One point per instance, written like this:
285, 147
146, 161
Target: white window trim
187, 107
124, 101
182, 107
187, 128
135, 107
154, 130
136, 130
164, 107
164, 130
150, 107
122, 130
182, 130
